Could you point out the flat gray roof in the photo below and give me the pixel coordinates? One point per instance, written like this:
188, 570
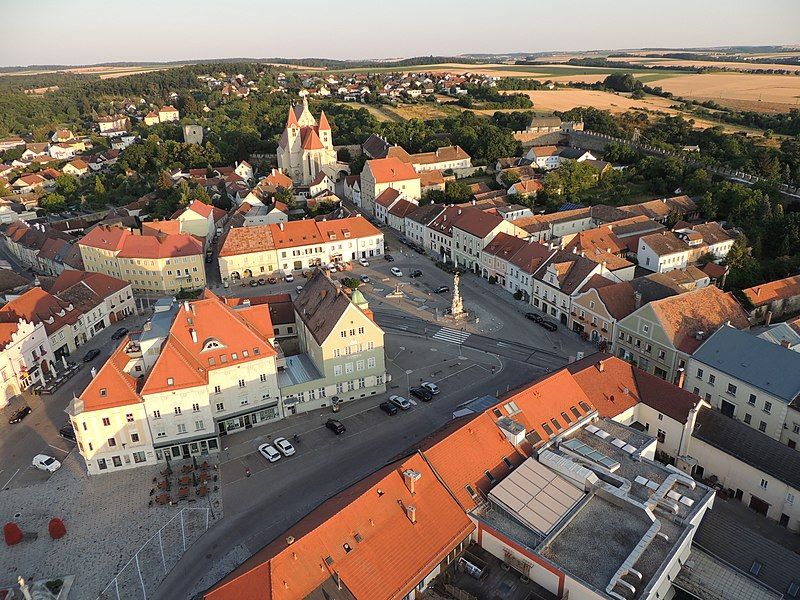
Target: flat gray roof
299, 369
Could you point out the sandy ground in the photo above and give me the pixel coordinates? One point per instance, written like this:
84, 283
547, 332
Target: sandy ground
755, 92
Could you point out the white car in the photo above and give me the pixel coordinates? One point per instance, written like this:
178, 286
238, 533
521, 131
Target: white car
288, 277
400, 402
299, 288
396, 272
431, 387
269, 452
284, 446
46, 463
364, 278
363, 262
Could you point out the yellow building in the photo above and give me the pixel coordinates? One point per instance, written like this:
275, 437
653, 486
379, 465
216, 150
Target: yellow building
161, 264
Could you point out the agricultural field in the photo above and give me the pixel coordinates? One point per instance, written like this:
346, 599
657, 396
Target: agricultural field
743, 91
672, 62
565, 99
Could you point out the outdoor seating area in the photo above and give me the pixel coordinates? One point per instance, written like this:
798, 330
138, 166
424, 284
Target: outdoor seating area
184, 483
63, 372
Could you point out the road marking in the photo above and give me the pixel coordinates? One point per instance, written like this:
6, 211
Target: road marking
57, 448
451, 336
12, 477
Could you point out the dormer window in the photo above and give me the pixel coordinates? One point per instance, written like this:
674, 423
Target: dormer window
103, 392
211, 344
170, 381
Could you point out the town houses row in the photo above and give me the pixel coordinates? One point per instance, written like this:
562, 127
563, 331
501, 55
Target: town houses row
558, 482
209, 367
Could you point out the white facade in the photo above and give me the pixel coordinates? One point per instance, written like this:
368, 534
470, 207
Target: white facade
26, 354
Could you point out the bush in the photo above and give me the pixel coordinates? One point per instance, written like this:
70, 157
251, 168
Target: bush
12, 533
518, 295
492, 279
56, 528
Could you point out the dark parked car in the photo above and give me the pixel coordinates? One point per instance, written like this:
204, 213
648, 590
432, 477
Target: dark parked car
262, 281
419, 249
534, 317
549, 325
421, 393
119, 333
209, 259
67, 432
253, 283
388, 257
388, 408
442, 289
91, 355
272, 280
335, 425
20, 414
415, 273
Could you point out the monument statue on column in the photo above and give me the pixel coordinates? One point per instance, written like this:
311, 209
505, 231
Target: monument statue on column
457, 308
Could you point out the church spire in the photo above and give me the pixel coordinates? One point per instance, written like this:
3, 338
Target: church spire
292, 119
323, 122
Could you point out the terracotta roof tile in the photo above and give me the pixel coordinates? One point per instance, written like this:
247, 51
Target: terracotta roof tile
112, 386
388, 170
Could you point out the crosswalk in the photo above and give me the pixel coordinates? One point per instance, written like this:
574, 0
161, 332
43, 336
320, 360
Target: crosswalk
451, 336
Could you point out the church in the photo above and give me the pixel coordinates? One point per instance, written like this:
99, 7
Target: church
306, 148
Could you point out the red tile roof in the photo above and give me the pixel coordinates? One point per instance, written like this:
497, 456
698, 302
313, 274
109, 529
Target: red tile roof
323, 122
112, 386
477, 222
105, 238
388, 170
781, 289
389, 560
160, 246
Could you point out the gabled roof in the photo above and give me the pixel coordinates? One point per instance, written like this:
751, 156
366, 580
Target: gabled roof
225, 337
401, 208
759, 363
425, 214
385, 560
504, 246
112, 386
244, 240
309, 139
571, 269
530, 257
101, 284
388, 170
105, 238
614, 385
375, 146
320, 305
703, 310
323, 122
39, 306
160, 246
782, 289
387, 197
749, 446
477, 222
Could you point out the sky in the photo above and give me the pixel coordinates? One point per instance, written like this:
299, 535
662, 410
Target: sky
85, 32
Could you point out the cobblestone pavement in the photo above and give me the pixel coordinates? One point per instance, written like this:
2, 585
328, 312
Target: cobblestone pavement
107, 520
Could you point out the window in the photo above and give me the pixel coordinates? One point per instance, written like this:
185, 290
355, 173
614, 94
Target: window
103, 392
789, 498
747, 418
696, 391
199, 425
762, 426
139, 457
106, 421
795, 427
343, 334
84, 426
711, 380
351, 386
181, 428
661, 354
263, 377
489, 476
361, 383
129, 417
112, 442
241, 383
645, 329
337, 353
177, 410
195, 407
731, 389
220, 406
339, 388
170, 381
134, 437
767, 407
156, 414
371, 362
764, 483
752, 400
699, 373
348, 368
217, 389
359, 365
337, 369
101, 464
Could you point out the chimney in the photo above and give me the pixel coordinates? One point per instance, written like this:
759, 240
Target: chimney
410, 477
411, 513
786, 343
186, 305
290, 540
94, 372
600, 366
700, 335
280, 225
637, 299
194, 335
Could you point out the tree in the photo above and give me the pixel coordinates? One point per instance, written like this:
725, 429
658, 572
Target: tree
570, 180
509, 178
708, 206
99, 188
457, 191
286, 196
53, 203
67, 184
697, 183
622, 82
